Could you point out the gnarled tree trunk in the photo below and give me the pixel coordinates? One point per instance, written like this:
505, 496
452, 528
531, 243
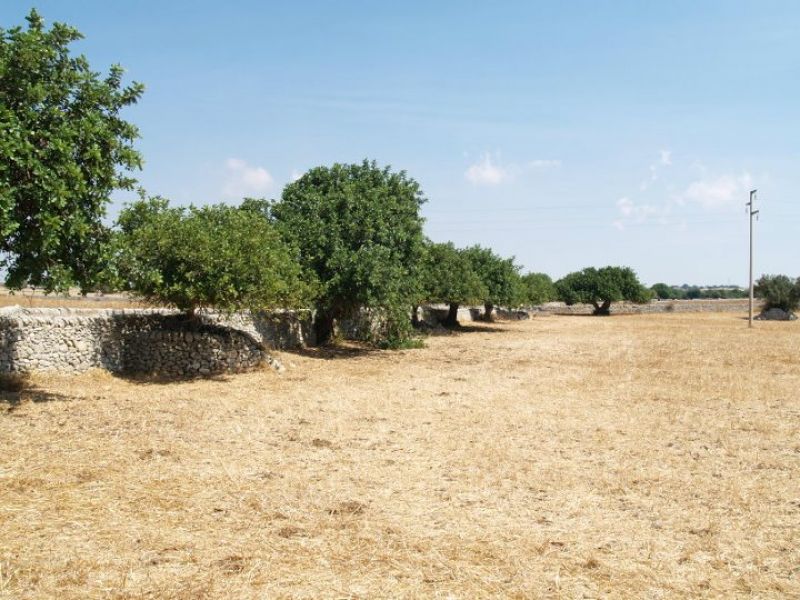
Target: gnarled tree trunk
487, 312
452, 316
603, 309
323, 326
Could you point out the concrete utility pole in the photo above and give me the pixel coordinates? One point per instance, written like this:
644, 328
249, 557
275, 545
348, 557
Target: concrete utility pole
751, 206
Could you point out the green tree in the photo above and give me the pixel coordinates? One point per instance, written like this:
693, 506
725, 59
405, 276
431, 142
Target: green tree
500, 277
778, 291
601, 287
537, 288
662, 291
449, 278
359, 233
65, 149
217, 256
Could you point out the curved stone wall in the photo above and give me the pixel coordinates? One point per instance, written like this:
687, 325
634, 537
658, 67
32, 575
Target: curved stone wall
144, 341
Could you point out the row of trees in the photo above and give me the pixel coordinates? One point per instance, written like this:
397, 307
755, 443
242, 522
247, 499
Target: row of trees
339, 239
662, 291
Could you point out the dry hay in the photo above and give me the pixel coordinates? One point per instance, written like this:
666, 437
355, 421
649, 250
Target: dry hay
633, 456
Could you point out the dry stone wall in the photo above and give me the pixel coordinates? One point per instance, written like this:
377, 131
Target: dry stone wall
155, 341
655, 306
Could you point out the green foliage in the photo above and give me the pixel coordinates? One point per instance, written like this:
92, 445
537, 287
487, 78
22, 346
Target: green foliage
723, 293
213, 256
359, 234
537, 288
500, 276
401, 343
693, 293
779, 291
662, 291
65, 149
448, 276
601, 287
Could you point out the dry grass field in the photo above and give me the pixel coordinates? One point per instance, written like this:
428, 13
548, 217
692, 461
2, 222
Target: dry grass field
575, 457
36, 299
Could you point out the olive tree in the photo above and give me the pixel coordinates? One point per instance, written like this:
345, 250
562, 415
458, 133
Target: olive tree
65, 149
449, 278
778, 291
500, 277
601, 287
217, 256
359, 234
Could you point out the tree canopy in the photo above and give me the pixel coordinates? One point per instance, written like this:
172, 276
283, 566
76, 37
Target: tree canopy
500, 277
359, 234
778, 291
215, 256
65, 149
601, 287
537, 288
448, 278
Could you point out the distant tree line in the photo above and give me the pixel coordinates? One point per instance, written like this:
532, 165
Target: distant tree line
662, 291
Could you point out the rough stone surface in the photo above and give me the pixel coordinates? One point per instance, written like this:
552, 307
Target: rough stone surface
160, 342
776, 314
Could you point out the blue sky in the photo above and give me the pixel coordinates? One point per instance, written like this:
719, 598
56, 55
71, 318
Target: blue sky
567, 134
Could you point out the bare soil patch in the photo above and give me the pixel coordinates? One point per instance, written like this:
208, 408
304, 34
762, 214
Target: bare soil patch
633, 456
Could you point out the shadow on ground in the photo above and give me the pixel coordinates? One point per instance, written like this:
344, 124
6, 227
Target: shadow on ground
335, 351
14, 399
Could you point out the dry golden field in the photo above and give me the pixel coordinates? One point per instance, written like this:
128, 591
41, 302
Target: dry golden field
576, 457
37, 299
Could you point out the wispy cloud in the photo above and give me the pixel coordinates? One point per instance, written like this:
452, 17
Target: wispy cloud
486, 172
242, 179
718, 192
664, 160
490, 171
640, 212
670, 204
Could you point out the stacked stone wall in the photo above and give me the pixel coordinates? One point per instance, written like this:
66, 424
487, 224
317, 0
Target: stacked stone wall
144, 341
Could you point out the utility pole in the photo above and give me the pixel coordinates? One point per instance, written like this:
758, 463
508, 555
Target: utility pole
751, 209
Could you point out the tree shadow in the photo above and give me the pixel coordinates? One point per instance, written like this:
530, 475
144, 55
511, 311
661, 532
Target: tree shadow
478, 327
334, 351
13, 399
144, 379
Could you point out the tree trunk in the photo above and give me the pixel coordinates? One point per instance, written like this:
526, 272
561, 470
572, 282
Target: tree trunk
602, 309
415, 315
487, 311
452, 316
323, 326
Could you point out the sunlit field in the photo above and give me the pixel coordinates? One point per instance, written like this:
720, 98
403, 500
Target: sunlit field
631, 456
38, 299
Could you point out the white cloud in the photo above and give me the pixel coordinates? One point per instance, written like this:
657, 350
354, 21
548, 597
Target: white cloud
488, 171
295, 175
544, 163
640, 213
243, 179
485, 172
719, 192
664, 160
